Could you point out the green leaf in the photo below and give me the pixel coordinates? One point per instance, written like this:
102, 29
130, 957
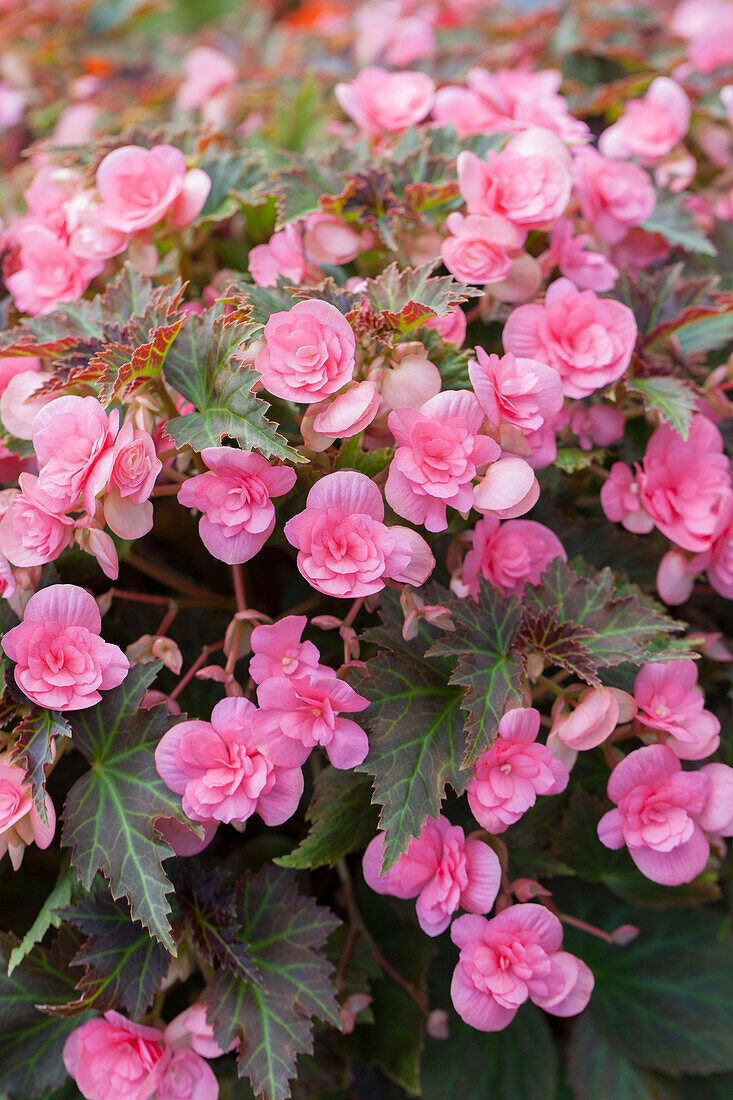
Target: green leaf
236, 179
677, 225
50, 915
597, 1071
34, 751
111, 812
483, 640
285, 932
520, 1061
32, 1042
200, 366
301, 185
573, 459
124, 369
342, 819
405, 299
208, 906
124, 966
673, 399
561, 644
416, 729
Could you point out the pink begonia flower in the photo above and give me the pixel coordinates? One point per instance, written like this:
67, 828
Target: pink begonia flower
597, 425
191, 1028
515, 956
676, 574
522, 98
345, 548
13, 365
508, 489
587, 339
282, 255
708, 27
110, 1056
509, 555
441, 868
75, 124
669, 700
171, 831
235, 497
657, 806
31, 531
588, 270
73, 438
621, 500
207, 72
650, 127
465, 110
12, 105
521, 284
139, 187
382, 102
18, 406
452, 327
184, 1075
309, 352
224, 768
509, 776
331, 240
716, 818
278, 651
340, 417
719, 559
439, 452
91, 537
614, 196
685, 484
61, 661
385, 32
528, 191
590, 722
523, 392
480, 249
20, 821
8, 584
639, 250
299, 712
410, 382
46, 271
135, 467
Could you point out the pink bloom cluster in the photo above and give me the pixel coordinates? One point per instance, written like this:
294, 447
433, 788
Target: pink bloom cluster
20, 820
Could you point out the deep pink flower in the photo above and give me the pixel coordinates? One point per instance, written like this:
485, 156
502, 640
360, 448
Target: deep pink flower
657, 806
508, 777
184, 1075
441, 868
639, 250
720, 565
685, 484
235, 497
587, 339
345, 547
669, 700
522, 392
299, 712
135, 467
510, 555
621, 500
379, 101
529, 191
73, 438
46, 271
481, 249
225, 770
110, 1056
597, 425
590, 722
513, 957
650, 127
309, 352
139, 187
31, 531
278, 651
20, 821
61, 661
282, 255
614, 196
439, 452
452, 327
588, 270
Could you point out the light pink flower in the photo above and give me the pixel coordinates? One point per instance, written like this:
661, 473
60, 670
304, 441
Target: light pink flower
18, 406
522, 98
345, 547
720, 566
650, 127
708, 27
13, 365
465, 110
383, 30
331, 240
379, 101
299, 712
717, 816
529, 191
452, 327
73, 438
509, 555
614, 196
685, 484
110, 1056
235, 497
139, 187
207, 72
588, 270
278, 651
31, 531
621, 500
191, 1028
184, 1075
590, 722
676, 574
224, 769
135, 467
587, 339
597, 425
669, 700
509, 776
61, 661
480, 249
508, 489
46, 271
657, 806
20, 821
515, 956
441, 868
282, 255
439, 452
346, 414
522, 392
309, 352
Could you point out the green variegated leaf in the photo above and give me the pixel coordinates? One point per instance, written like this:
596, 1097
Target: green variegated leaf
342, 819
671, 398
34, 750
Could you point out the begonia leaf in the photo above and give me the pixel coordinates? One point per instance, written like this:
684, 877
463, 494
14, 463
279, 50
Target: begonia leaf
406, 299
673, 221
207, 905
596, 1068
34, 750
342, 819
672, 398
